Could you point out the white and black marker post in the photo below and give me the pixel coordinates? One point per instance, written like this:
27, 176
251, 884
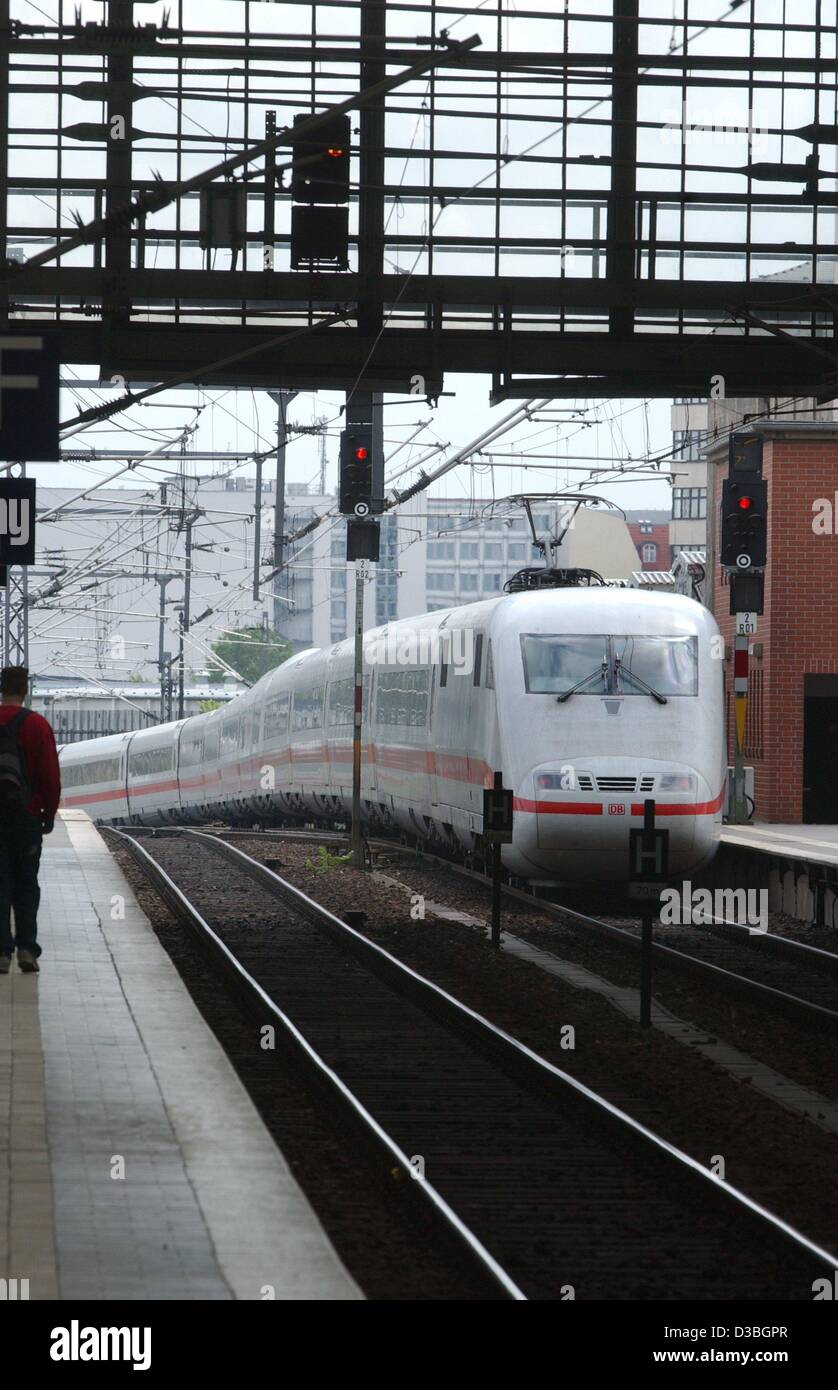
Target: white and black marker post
648, 866
357, 833
497, 831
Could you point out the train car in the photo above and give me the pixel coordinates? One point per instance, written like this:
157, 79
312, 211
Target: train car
588, 700
151, 783
93, 776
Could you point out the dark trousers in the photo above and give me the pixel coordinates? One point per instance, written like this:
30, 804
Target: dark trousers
20, 856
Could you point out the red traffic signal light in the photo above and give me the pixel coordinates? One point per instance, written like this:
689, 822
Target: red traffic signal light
743, 535
360, 480
320, 172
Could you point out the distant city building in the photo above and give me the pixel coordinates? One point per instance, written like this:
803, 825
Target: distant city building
650, 533
688, 521
78, 710
122, 564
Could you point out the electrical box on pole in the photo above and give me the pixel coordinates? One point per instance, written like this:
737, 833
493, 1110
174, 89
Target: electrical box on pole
363, 538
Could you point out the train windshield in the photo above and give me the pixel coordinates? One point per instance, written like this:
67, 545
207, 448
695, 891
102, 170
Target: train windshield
668, 664
553, 665
604, 665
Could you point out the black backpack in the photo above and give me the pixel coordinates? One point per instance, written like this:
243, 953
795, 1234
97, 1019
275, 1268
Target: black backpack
15, 790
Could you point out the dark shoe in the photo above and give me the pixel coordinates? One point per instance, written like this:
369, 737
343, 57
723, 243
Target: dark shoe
28, 963
5, 964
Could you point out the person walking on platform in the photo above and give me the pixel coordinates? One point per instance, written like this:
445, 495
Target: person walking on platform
30, 789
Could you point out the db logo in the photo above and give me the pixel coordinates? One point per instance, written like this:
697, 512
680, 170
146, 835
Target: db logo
617, 808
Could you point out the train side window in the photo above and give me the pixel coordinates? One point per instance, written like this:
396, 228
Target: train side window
478, 658
490, 667
443, 670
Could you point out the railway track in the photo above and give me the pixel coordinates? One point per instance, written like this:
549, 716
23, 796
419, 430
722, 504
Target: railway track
796, 979
549, 1190
726, 954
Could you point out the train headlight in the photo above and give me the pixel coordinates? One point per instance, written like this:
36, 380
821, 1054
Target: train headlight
677, 782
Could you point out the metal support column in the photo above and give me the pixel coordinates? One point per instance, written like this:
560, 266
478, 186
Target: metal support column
4, 149
371, 165
15, 601
621, 232
118, 160
283, 400
16, 617
185, 618
257, 528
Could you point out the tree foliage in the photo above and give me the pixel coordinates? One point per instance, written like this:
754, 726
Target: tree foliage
251, 651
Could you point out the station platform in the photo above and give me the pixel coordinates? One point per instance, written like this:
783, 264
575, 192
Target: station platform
817, 843
798, 864
133, 1164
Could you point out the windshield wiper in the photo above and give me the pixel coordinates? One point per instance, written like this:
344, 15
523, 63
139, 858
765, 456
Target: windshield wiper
600, 671
655, 694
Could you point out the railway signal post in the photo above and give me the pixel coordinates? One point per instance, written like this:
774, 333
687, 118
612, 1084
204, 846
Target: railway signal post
497, 830
360, 498
743, 539
648, 866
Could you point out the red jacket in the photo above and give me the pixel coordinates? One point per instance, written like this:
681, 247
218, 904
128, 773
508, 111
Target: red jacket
37, 744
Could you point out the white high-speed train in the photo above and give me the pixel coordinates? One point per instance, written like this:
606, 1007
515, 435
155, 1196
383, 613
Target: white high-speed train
588, 700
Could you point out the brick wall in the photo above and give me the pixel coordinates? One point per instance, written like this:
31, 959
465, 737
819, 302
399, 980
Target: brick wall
798, 632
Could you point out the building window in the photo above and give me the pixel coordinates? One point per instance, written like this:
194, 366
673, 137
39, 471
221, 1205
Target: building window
492, 551
517, 551
689, 503
645, 528
468, 583
650, 553
441, 550
469, 550
491, 583
688, 444
440, 581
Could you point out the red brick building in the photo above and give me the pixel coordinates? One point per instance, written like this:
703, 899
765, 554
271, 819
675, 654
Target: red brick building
652, 541
791, 735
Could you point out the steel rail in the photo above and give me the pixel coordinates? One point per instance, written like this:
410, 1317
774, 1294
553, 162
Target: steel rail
771, 943
244, 983
791, 1004
514, 1056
